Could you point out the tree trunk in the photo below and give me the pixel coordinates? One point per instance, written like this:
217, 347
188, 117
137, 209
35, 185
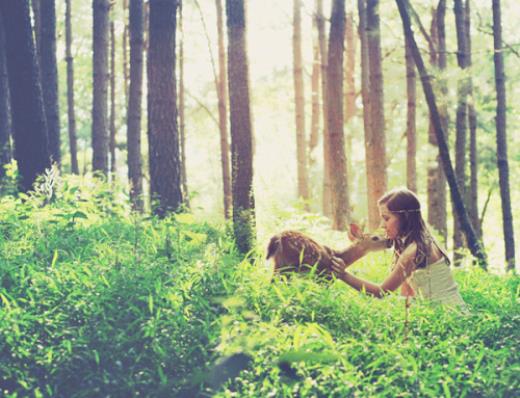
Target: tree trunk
503, 164
411, 132
340, 204
437, 213
241, 133
376, 161
472, 124
112, 141
223, 112
182, 123
327, 189
474, 245
5, 108
71, 115
49, 73
100, 83
125, 51
315, 111
134, 114
461, 121
28, 115
350, 68
163, 137
299, 108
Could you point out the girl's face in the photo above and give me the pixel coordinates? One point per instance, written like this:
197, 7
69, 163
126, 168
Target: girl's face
390, 222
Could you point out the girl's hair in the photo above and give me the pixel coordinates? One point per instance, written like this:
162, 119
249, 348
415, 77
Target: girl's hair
406, 206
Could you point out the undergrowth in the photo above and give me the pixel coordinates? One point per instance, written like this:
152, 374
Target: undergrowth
96, 301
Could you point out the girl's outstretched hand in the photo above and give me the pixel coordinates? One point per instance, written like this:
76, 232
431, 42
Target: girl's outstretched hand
338, 267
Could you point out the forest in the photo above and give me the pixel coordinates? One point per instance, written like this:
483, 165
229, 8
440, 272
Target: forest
152, 152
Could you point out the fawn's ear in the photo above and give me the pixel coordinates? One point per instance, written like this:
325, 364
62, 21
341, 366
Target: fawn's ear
355, 232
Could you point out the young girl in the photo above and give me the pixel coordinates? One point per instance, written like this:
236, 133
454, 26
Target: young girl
421, 267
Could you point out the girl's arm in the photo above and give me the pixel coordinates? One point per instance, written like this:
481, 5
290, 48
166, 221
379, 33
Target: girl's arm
401, 271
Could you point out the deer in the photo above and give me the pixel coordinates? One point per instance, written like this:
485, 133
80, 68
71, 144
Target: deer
293, 251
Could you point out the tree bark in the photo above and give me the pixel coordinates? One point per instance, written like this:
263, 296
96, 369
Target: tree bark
112, 141
437, 213
340, 203
5, 108
376, 148
134, 114
411, 132
100, 83
49, 73
461, 120
28, 115
36, 9
163, 137
182, 123
474, 245
501, 131
315, 110
223, 113
350, 68
241, 132
126, 77
299, 108
327, 189
71, 114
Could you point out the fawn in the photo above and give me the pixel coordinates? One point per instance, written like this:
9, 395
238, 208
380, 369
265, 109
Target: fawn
293, 251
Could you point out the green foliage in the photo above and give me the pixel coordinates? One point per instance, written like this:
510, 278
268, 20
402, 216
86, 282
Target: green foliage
97, 301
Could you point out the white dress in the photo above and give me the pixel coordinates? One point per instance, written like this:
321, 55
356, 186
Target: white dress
435, 282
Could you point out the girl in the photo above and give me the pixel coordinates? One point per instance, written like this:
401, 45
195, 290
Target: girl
421, 267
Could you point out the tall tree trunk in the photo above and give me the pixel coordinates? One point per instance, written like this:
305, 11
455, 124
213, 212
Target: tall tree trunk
474, 245
315, 110
163, 137
71, 114
327, 188
99, 100
461, 121
125, 50
437, 213
350, 68
5, 108
299, 108
29, 123
411, 132
223, 112
134, 114
376, 159
112, 141
182, 123
49, 73
340, 204
241, 132
472, 124
503, 164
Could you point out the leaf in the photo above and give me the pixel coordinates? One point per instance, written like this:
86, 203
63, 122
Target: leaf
54, 258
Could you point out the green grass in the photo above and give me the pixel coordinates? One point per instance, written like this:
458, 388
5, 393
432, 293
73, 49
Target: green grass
95, 302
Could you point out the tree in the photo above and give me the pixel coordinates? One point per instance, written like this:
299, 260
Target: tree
437, 214
241, 132
71, 114
112, 125
28, 115
411, 132
327, 189
99, 100
36, 9
223, 112
375, 145
124, 43
474, 245
315, 93
135, 89
182, 122
299, 108
501, 129
49, 74
163, 134
340, 203
5, 108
